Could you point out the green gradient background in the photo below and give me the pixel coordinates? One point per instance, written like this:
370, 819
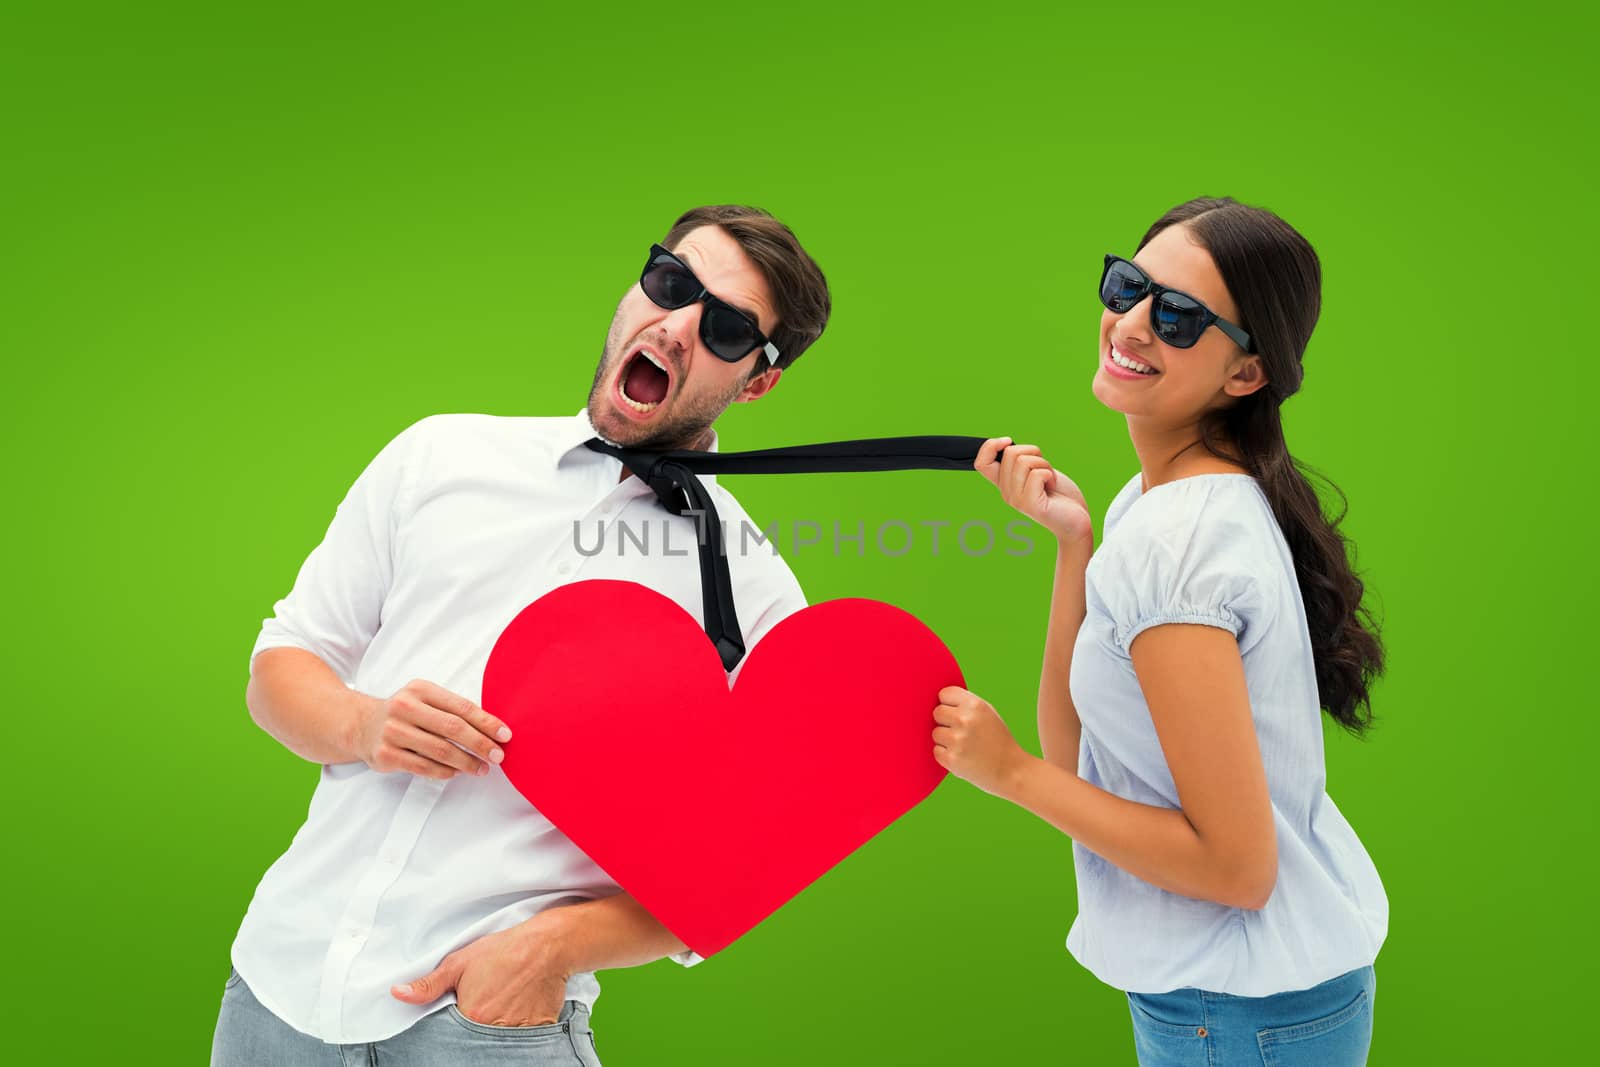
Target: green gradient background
242, 250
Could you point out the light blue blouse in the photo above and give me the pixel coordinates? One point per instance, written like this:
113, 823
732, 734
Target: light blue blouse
1207, 550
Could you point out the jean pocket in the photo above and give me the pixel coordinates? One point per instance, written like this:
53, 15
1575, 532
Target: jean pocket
1335, 1040
519, 1033
1146, 1020
233, 980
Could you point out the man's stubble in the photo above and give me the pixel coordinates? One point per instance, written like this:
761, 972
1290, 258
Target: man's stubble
684, 427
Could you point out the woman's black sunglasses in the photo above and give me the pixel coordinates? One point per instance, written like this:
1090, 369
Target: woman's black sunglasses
729, 333
1177, 318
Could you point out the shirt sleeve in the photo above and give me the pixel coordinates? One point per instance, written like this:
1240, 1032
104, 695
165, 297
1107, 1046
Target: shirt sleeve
1196, 560
336, 605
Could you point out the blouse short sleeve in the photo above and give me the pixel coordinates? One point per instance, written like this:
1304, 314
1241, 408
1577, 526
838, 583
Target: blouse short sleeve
1192, 551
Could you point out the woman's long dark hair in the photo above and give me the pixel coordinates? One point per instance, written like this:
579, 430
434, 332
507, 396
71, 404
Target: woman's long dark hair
1275, 279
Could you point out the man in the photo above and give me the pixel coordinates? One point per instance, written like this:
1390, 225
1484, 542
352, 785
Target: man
425, 912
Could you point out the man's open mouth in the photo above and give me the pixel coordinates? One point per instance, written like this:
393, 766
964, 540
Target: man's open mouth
644, 381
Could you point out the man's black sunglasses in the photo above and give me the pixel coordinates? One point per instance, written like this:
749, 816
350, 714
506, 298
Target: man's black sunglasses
729, 333
1177, 318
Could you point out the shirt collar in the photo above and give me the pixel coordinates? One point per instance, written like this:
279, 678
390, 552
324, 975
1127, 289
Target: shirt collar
579, 429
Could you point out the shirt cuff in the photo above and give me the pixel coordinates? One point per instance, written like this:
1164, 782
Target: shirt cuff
1221, 618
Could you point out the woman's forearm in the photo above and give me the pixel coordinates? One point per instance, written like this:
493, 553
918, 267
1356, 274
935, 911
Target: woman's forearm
1156, 844
1059, 728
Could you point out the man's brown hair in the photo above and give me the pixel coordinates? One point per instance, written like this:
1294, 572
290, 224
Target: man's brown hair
799, 291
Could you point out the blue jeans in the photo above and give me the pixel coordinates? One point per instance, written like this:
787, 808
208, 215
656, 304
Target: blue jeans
249, 1035
1329, 1025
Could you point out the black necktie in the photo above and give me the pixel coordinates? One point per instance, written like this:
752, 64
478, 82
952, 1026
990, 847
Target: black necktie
672, 477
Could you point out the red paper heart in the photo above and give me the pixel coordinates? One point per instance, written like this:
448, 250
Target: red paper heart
714, 808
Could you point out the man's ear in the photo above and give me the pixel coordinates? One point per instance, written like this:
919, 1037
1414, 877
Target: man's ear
759, 386
1247, 377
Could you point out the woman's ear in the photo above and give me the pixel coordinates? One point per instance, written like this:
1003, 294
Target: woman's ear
1247, 377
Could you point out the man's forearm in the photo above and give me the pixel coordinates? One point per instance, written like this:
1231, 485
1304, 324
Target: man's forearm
294, 696
600, 935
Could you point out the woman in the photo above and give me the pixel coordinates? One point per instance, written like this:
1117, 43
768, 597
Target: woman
1185, 665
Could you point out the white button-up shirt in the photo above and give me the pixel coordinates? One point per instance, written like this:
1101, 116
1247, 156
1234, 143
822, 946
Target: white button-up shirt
457, 525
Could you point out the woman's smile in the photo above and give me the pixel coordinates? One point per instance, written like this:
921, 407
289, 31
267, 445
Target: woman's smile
1121, 365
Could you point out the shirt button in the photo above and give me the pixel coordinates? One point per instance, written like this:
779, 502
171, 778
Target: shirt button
564, 567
